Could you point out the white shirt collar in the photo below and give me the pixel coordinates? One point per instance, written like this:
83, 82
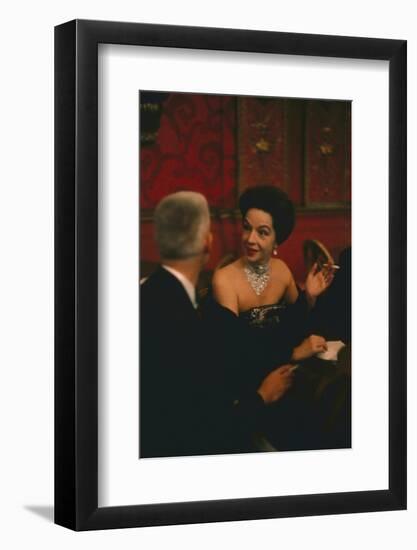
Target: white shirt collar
188, 286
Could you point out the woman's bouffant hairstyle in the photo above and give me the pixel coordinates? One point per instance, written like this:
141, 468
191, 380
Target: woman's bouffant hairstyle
275, 202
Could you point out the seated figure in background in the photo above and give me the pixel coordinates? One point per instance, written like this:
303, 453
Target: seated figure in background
332, 314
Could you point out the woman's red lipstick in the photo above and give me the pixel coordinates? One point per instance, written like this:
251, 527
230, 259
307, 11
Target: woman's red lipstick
250, 251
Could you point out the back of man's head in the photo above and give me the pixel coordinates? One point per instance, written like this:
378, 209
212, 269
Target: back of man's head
182, 223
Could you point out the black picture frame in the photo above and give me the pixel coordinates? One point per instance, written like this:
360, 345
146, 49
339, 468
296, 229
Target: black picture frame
76, 271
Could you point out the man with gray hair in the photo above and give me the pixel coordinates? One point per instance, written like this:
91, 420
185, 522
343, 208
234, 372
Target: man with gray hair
182, 224
183, 237
184, 406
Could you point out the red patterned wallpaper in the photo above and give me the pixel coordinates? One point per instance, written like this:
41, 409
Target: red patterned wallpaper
218, 145
194, 149
328, 153
262, 153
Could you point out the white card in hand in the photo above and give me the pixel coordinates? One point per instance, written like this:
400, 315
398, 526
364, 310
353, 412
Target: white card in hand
333, 348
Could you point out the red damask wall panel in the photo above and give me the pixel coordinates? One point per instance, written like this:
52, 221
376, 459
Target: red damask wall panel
294, 149
193, 148
262, 151
219, 145
328, 152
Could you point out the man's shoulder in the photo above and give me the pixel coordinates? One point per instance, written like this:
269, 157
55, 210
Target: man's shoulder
159, 281
161, 294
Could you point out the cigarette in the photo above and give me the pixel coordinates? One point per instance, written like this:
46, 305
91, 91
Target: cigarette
332, 266
294, 368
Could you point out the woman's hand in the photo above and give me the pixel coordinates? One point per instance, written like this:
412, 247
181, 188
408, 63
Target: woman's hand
309, 347
317, 281
276, 384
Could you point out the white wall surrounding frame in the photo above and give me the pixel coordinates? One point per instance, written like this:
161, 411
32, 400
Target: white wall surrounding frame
26, 277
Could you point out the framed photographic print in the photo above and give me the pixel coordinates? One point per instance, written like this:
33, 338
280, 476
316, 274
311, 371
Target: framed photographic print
272, 169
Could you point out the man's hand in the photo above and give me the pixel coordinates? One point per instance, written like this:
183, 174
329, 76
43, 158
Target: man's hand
276, 384
310, 346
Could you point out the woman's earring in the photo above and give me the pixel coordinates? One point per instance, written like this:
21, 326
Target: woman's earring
275, 251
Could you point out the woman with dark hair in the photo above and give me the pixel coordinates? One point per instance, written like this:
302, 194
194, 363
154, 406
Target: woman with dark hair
261, 314
259, 287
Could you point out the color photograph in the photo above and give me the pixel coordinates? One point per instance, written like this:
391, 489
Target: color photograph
245, 274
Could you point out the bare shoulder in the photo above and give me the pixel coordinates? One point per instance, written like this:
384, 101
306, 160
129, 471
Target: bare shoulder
224, 289
281, 270
226, 275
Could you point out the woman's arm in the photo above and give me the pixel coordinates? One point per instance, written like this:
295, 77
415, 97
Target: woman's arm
284, 275
291, 294
224, 292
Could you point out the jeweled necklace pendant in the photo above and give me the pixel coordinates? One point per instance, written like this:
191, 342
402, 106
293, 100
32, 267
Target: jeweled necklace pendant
258, 276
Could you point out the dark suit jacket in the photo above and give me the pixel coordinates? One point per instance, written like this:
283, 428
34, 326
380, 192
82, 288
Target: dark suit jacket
191, 399
177, 388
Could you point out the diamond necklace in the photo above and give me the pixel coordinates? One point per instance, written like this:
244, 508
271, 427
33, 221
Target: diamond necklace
258, 276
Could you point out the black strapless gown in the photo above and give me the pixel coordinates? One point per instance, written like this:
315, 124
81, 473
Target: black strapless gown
252, 345
287, 424
315, 413
249, 347
268, 316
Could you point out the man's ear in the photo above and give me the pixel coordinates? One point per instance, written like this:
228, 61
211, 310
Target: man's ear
208, 243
